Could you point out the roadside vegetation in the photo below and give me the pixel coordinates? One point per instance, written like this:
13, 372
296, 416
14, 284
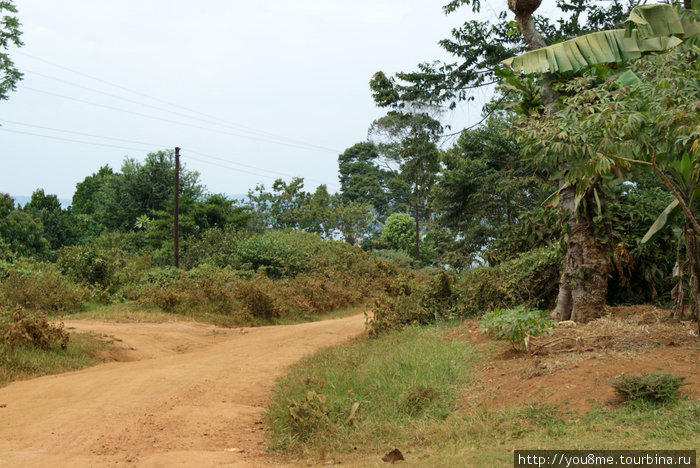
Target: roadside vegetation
412, 389
578, 191
32, 346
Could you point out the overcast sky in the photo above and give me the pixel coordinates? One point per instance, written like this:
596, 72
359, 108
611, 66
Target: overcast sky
251, 90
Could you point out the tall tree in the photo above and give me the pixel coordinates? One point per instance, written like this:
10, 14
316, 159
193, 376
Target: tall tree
10, 34
364, 180
22, 231
116, 200
412, 135
484, 188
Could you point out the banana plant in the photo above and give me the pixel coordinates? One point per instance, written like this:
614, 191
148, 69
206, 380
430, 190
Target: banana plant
650, 28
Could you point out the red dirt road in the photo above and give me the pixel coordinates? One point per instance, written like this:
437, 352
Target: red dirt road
191, 395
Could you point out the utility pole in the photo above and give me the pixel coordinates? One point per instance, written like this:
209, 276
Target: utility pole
176, 211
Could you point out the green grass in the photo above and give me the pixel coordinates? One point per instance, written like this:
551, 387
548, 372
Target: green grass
134, 312
333, 314
128, 312
408, 383
405, 383
24, 362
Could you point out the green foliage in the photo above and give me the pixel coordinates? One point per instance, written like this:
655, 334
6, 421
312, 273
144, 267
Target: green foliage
9, 35
43, 288
530, 278
485, 192
88, 193
116, 200
369, 394
108, 269
218, 247
418, 299
279, 254
20, 328
23, 232
399, 257
516, 324
399, 232
540, 227
479, 47
261, 277
362, 180
354, 220
656, 387
641, 268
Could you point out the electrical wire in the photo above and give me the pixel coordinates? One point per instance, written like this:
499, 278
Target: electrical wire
275, 175
225, 123
92, 135
141, 114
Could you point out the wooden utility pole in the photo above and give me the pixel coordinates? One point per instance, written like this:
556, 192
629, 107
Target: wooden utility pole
176, 210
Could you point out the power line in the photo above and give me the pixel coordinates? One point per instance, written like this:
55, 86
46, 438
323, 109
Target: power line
141, 114
181, 114
72, 140
13, 122
225, 123
252, 167
92, 135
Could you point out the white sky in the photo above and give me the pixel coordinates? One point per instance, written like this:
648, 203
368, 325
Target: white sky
265, 70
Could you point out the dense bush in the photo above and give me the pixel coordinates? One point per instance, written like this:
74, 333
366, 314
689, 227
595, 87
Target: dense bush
531, 279
108, 269
218, 247
42, 288
20, 328
260, 277
415, 299
400, 257
516, 324
657, 387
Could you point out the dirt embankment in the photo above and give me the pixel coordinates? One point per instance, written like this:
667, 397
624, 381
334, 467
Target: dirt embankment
185, 394
572, 367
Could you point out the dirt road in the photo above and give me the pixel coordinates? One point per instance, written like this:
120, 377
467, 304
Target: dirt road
189, 395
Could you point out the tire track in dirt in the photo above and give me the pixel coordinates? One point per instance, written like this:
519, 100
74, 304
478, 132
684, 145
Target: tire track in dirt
194, 397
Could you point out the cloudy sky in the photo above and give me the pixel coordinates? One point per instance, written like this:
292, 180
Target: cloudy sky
251, 90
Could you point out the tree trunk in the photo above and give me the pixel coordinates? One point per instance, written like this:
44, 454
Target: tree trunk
691, 253
417, 224
583, 283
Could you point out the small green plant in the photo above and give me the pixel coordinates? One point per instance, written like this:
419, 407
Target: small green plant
656, 387
516, 324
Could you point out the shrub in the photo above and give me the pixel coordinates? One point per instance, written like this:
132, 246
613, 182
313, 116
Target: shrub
515, 325
214, 247
415, 299
281, 253
108, 269
400, 257
656, 387
19, 328
43, 288
257, 299
532, 278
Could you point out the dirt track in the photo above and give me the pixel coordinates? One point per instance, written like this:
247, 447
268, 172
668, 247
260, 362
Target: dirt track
191, 395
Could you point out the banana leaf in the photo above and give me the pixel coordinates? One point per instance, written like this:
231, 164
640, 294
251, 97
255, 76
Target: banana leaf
650, 28
662, 221
660, 20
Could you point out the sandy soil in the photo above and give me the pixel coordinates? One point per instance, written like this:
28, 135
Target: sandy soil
184, 394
